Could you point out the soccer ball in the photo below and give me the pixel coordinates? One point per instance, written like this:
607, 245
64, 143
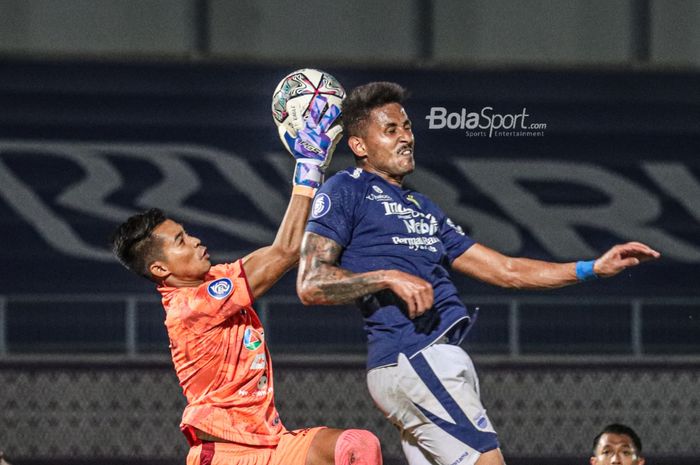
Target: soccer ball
295, 93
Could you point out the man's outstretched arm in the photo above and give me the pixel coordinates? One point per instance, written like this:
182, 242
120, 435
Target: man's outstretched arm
267, 265
490, 266
322, 282
312, 149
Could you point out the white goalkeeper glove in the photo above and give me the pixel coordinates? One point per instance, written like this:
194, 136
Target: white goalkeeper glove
314, 144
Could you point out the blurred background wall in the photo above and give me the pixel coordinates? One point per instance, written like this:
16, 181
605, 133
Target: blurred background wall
451, 32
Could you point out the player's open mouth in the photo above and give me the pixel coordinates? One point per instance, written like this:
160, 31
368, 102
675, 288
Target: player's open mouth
205, 255
406, 151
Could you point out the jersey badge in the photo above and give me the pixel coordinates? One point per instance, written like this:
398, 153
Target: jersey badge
220, 288
252, 339
322, 205
413, 200
482, 422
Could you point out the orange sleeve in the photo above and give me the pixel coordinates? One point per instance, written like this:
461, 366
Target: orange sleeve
217, 299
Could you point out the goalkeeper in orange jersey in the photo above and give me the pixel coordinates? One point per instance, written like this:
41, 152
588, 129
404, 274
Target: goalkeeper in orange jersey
216, 339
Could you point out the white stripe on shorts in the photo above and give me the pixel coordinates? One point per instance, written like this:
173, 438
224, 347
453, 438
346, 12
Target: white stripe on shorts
434, 400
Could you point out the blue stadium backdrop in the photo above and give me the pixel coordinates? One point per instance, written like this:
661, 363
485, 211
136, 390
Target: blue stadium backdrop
604, 157
551, 164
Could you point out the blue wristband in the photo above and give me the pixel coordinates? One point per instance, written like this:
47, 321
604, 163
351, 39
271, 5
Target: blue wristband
584, 270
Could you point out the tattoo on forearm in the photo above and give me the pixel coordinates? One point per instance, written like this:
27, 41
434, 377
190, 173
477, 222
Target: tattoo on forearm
328, 283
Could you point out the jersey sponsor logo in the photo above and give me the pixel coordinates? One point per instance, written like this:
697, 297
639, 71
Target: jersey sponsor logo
252, 339
415, 222
461, 458
262, 383
417, 243
259, 362
379, 197
257, 393
262, 388
220, 288
428, 226
322, 205
395, 208
458, 229
377, 190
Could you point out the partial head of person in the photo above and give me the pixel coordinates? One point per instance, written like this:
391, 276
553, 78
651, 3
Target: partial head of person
379, 131
617, 444
3, 461
154, 246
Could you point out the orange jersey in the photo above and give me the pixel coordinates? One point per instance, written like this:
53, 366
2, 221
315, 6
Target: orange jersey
221, 359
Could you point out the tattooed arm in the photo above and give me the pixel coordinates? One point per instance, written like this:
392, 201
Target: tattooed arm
322, 282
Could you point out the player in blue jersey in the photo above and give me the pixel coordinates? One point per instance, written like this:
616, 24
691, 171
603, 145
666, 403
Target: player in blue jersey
371, 241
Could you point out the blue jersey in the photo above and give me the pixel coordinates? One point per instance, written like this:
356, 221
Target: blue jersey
382, 226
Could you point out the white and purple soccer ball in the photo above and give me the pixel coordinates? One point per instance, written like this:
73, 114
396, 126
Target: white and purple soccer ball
296, 92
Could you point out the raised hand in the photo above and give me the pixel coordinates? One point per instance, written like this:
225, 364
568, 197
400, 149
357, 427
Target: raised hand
314, 145
316, 142
623, 256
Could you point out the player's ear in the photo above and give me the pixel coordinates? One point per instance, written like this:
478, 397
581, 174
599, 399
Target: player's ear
159, 270
357, 145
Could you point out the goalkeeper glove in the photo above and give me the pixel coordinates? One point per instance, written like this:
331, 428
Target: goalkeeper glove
314, 144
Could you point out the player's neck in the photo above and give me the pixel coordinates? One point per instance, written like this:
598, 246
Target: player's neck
175, 281
397, 180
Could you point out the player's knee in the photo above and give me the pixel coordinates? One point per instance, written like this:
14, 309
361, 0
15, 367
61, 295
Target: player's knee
357, 447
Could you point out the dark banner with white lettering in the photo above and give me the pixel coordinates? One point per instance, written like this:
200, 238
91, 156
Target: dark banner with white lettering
556, 165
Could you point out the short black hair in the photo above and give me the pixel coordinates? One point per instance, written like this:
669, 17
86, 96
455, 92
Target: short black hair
363, 99
618, 428
133, 243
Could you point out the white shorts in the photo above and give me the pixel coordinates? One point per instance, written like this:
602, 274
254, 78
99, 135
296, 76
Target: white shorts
433, 398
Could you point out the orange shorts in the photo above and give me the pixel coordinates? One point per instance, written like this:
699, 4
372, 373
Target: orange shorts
291, 450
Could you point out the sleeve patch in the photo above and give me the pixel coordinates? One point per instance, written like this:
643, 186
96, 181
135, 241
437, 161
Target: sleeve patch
220, 288
322, 205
